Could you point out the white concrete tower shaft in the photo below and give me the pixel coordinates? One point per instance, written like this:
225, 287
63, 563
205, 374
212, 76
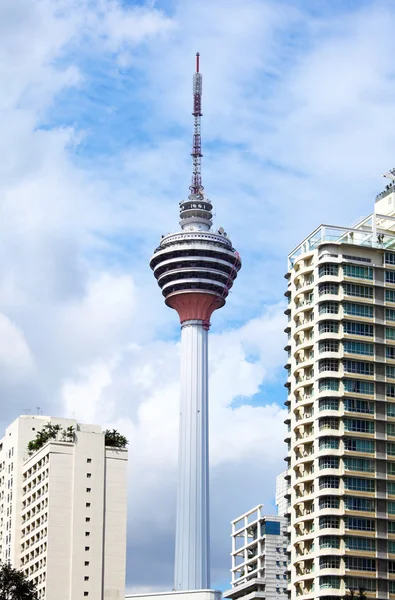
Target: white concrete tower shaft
192, 533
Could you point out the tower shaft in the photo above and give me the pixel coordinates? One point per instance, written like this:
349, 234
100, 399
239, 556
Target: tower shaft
192, 530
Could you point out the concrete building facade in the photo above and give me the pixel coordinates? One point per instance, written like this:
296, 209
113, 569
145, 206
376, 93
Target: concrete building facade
341, 408
259, 556
63, 509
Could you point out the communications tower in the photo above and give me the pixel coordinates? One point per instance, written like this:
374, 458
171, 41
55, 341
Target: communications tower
195, 269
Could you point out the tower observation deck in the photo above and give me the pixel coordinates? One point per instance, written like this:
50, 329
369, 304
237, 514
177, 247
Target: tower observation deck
195, 269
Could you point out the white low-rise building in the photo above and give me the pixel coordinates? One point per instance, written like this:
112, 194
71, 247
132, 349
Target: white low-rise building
259, 556
63, 509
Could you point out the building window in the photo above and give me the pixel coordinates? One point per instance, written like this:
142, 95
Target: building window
361, 544
358, 310
330, 581
86, 564
390, 295
359, 406
391, 547
389, 333
360, 564
87, 548
390, 277
328, 423
328, 442
391, 526
360, 524
88, 504
352, 463
359, 484
354, 328
87, 533
331, 308
329, 327
391, 507
390, 409
86, 593
328, 364
88, 460
359, 445
391, 429
328, 269
329, 502
355, 583
390, 314
358, 272
329, 541
328, 288
357, 503
358, 366
329, 403
361, 291
87, 519
329, 483
328, 384
358, 348
86, 578
329, 562
88, 490
89, 475
328, 346
389, 258
356, 386
359, 425
329, 522
329, 462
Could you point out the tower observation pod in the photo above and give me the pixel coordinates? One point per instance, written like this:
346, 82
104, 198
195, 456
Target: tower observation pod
195, 269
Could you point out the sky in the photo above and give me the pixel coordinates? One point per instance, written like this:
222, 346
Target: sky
95, 103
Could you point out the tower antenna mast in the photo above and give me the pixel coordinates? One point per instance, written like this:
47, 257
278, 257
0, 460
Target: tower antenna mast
196, 186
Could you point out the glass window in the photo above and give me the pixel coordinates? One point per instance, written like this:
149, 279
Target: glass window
329, 541
389, 258
391, 566
328, 442
328, 384
359, 445
391, 429
358, 503
359, 310
329, 522
329, 327
391, 488
358, 405
331, 308
358, 366
360, 524
329, 462
329, 423
391, 526
353, 463
358, 347
390, 295
390, 277
358, 484
359, 425
328, 364
355, 328
329, 482
355, 583
357, 271
390, 314
390, 371
329, 502
328, 288
391, 507
329, 403
390, 468
390, 333
328, 346
390, 409
390, 448
328, 269
330, 581
391, 547
363, 291
360, 543
356, 386
360, 564
390, 352
329, 562
390, 390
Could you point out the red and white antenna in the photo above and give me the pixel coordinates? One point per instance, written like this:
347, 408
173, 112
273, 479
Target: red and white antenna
196, 186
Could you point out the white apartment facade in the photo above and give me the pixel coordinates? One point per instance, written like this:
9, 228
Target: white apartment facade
259, 557
341, 408
63, 510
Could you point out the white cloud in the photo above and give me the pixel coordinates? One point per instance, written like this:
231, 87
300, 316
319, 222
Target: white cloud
16, 360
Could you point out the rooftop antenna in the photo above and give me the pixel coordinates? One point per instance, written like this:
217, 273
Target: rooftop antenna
196, 186
26, 411
390, 175
39, 411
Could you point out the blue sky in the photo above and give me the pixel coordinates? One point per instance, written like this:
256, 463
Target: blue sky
299, 106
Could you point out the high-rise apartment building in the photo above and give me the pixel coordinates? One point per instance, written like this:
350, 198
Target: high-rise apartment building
63, 509
259, 557
341, 408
